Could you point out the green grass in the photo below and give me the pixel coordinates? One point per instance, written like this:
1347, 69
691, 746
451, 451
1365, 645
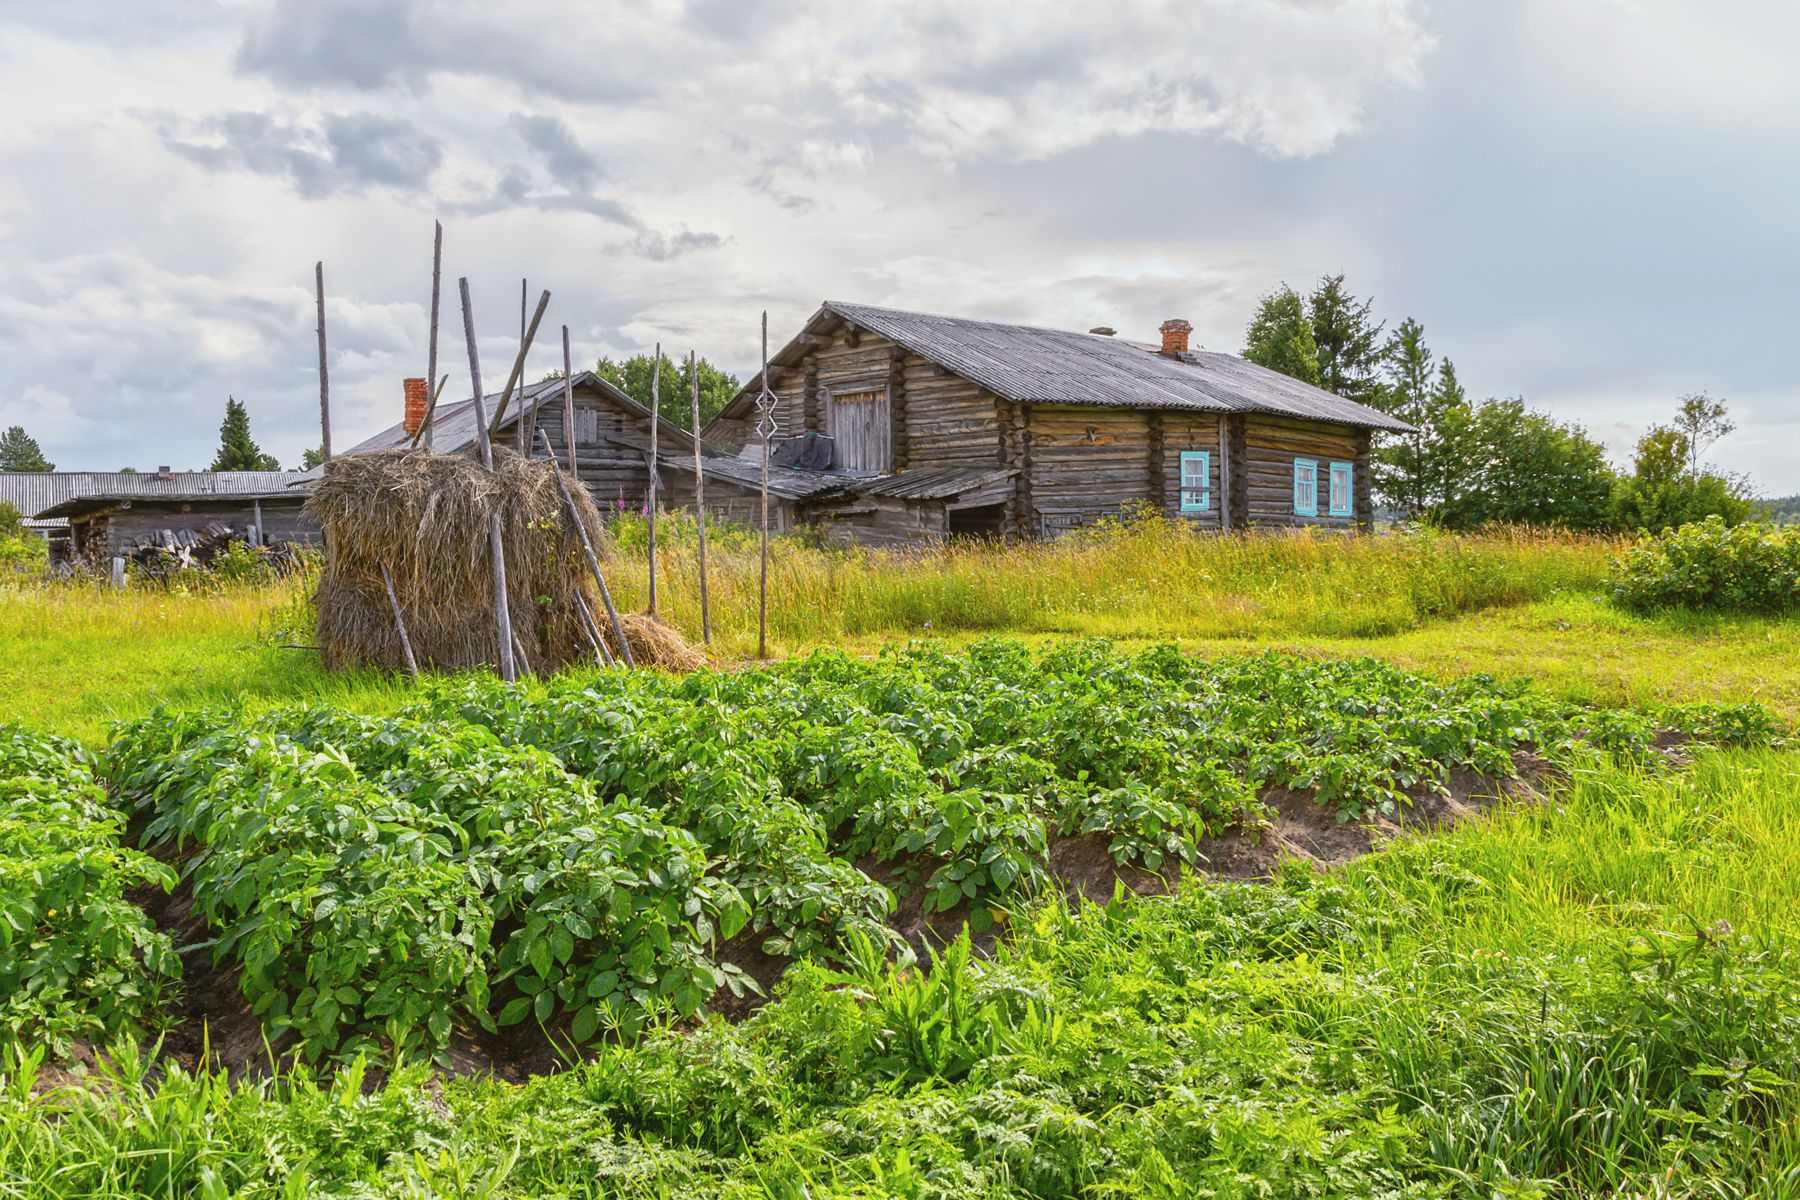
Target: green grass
77, 658
1591, 997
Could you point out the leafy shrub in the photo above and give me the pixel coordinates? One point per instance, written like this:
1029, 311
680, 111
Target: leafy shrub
1712, 566
77, 958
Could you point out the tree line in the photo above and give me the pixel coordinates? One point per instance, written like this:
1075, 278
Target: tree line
1474, 463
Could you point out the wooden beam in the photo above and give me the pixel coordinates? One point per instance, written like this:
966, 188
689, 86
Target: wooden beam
324, 377
496, 543
587, 548
437, 269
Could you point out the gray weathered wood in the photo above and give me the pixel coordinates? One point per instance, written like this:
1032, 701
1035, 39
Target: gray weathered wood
654, 466
587, 548
569, 407
700, 500
496, 539
437, 275
518, 370
412, 664
118, 572
762, 585
324, 376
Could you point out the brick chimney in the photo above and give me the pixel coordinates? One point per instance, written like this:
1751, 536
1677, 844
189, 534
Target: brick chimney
165, 473
418, 397
1175, 336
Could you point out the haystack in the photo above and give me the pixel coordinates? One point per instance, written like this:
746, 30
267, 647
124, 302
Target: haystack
425, 518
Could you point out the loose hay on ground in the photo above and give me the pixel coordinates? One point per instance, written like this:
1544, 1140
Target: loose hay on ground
425, 517
654, 643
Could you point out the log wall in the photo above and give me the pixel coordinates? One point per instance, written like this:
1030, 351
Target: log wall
1086, 463
1272, 444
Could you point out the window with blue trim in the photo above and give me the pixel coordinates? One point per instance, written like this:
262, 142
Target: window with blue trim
1342, 491
1196, 480
1306, 487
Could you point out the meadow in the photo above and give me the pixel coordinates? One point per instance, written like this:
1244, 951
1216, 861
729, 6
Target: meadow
1587, 990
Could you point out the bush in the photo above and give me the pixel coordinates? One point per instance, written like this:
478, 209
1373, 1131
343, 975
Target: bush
1712, 566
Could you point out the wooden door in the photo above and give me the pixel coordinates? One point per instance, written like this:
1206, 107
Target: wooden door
860, 429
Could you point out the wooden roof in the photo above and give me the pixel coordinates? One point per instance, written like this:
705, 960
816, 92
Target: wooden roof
46, 496
1030, 365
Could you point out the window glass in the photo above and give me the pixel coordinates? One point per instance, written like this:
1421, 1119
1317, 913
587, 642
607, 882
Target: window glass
1341, 490
1196, 480
1306, 487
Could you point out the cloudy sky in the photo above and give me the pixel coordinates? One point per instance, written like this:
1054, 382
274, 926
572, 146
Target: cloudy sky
1593, 204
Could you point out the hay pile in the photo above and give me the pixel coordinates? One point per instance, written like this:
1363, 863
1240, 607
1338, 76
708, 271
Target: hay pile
425, 517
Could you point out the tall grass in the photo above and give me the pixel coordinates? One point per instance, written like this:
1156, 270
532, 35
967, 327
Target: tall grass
1148, 579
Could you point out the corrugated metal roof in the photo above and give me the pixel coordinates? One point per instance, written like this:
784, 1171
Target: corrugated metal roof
35, 493
1029, 365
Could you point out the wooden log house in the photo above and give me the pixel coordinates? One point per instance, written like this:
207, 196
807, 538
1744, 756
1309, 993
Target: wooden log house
953, 426
899, 428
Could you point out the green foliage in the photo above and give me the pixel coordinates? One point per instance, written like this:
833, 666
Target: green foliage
238, 451
1589, 997
1518, 466
312, 457
1667, 488
19, 451
577, 852
77, 958
1713, 566
633, 377
1348, 340
1280, 336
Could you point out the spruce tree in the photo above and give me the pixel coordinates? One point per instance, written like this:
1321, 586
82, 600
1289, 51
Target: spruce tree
238, 451
19, 451
1280, 336
1348, 341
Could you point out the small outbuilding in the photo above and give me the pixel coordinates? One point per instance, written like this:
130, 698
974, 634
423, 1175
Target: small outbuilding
125, 514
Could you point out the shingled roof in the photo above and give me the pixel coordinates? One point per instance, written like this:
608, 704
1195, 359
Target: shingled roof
1030, 365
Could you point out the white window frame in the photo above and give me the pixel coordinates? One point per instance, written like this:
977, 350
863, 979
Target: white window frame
1346, 472
1309, 469
1204, 491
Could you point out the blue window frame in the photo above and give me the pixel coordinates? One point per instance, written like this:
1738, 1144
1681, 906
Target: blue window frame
1343, 495
1306, 487
1196, 480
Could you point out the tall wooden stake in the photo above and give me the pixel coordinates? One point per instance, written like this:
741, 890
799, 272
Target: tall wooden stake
437, 272
569, 409
412, 664
587, 548
650, 508
496, 543
524, 438
765, 426
700, 500
518, 370
324, 378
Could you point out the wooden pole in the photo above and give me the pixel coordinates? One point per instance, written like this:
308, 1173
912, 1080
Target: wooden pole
256, 507
324, 377
650, 508
569, 408
412, 664
524, 438
592, 629
588, 549
519, 655
700, 500
437, 271
496, 544
767, 419
518, 370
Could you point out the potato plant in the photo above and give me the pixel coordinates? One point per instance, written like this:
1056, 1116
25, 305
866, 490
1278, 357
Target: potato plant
585, 852
77, 958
